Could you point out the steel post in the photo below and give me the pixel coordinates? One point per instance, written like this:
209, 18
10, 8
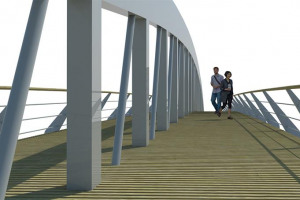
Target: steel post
295, 99
269, 118
155, 83
171, 54
162, 102
19, 91
284, 120
181, 96
116, 158
174, 89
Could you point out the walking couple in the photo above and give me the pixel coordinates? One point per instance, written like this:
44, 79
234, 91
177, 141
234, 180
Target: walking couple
222, 91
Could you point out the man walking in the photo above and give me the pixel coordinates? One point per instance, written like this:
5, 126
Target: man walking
216, 93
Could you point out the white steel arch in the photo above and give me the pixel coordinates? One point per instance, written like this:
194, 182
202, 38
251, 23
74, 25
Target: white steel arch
159, 12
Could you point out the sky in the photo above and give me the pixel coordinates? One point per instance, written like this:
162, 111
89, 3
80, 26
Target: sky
257, 40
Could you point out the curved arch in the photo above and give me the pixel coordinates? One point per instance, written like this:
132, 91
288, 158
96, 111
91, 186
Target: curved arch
163, 13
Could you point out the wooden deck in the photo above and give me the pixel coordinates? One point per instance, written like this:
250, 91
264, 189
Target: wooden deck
201, 157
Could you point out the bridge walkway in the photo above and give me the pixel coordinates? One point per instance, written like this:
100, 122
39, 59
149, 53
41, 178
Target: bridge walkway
200, 157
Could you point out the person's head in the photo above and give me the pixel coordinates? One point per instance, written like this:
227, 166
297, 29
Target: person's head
227, 74
216, 70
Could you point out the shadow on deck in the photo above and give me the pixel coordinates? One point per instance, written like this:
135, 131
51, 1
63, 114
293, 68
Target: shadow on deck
201, 157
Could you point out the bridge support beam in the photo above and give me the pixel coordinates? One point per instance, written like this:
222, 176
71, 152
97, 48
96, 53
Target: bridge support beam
162, 122
174, 86
257, 114
247, 109
269, 118
294, 98
241, 106
194, 88
284, 120
116, 158
186, 69
171, 54
237, 106
181, 96
155, 84
113, 115
199, 94
2, 115
105, 100
140, 83
18, 95
58, 122
190, 84
84, 64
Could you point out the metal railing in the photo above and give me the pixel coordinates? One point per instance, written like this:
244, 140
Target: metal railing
58, 124
277, 117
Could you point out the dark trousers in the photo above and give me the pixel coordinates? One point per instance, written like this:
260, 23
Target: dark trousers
226, 100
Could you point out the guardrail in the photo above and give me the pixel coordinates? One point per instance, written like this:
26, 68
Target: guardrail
268, 110
59, 121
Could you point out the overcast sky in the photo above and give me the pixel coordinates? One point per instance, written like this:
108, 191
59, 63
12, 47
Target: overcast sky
257, 40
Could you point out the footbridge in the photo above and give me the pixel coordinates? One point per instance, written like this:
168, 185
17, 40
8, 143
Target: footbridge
118, 145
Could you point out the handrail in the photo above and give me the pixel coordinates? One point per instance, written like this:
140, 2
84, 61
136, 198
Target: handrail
272, 89
59, 115
257, 109
53, 89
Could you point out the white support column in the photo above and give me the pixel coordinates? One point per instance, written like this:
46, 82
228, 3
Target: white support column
140, 83
194, 88
84, 64
190, 85
170, 69
181, 96
186, 70
174, 93
198, 93
18, 95
162, 123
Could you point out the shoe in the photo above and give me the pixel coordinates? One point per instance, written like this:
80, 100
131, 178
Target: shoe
229, 117
216, 112
219, 114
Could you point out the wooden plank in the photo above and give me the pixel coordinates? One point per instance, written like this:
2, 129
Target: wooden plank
202, 156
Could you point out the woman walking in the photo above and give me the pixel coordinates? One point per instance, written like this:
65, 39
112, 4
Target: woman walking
226, 94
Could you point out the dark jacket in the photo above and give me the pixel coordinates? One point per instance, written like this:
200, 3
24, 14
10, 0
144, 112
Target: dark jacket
223, 86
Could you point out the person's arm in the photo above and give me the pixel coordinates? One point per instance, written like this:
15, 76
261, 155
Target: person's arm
222, 85
211, 81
